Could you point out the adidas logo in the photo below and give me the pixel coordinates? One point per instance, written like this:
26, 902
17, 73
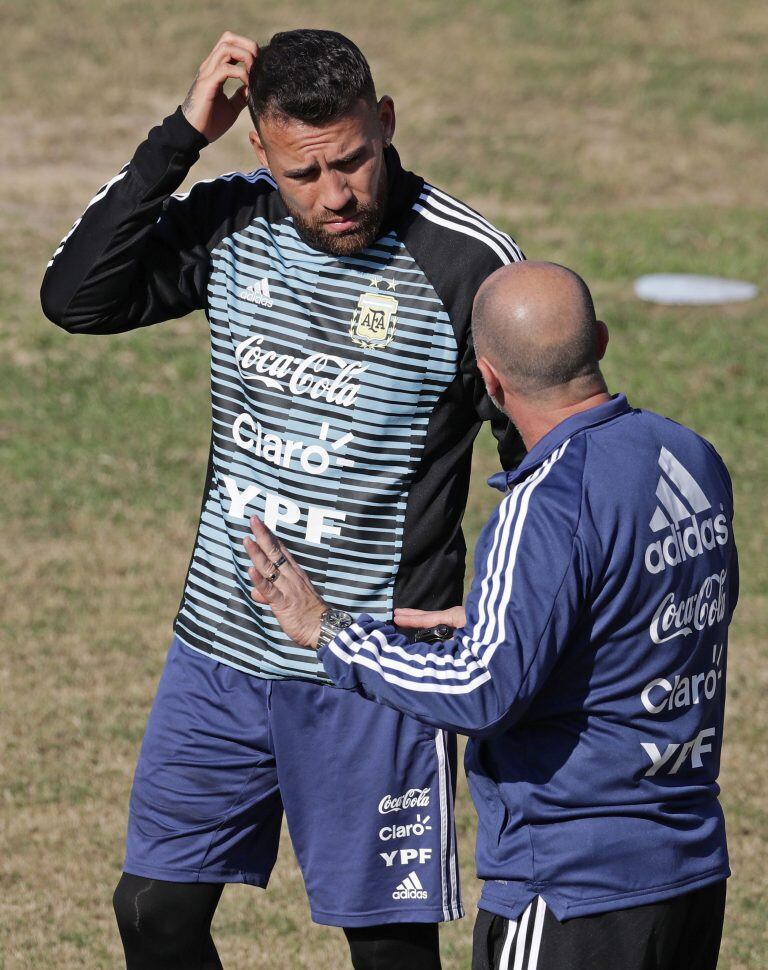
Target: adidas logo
681, 498
257, 293
410, 888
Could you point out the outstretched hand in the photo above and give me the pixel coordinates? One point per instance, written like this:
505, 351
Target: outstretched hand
414, 619
206, 107
280, 583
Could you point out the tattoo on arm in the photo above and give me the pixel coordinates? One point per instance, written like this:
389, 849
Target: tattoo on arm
188, 101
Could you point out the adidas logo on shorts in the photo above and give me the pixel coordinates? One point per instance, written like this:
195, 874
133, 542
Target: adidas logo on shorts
410, 888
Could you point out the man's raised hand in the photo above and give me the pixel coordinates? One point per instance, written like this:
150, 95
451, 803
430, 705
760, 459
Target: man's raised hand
280, 582
206, 107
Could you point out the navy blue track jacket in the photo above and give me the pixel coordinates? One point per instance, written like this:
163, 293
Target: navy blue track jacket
590, 673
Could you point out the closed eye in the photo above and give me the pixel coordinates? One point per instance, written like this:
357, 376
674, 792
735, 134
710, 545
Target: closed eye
350, 160
299, 174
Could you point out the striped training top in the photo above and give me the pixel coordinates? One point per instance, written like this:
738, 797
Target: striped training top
345, 392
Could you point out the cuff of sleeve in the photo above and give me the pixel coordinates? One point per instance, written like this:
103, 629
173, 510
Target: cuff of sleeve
181, 134
337, 656
170, 150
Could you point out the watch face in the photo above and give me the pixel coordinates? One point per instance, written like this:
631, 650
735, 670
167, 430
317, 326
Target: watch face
337, 619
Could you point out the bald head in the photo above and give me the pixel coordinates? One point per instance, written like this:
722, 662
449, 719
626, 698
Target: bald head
535, 323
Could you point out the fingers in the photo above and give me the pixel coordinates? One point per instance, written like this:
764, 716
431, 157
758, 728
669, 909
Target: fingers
228, 59
263, 566
228, 39
232, 50
215, 76
240, 98
257, 597
284, 587
231, 53
247, 43
264, 591
264, 550
414, 619
257, 556
235, 71
271, 545
206, 106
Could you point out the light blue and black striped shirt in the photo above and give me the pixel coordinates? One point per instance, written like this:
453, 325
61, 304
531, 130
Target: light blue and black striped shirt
345, 396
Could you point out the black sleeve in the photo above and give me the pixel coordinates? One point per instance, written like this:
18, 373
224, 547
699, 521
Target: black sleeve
458, 249
510, 444
136, 257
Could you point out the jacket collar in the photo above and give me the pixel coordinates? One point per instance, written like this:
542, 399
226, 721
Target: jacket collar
599, 414
404, 189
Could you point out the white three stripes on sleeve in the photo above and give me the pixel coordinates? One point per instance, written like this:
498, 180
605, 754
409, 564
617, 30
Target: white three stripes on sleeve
497, 584
97, 198
448, 212
462, 207
468, 669
258, 175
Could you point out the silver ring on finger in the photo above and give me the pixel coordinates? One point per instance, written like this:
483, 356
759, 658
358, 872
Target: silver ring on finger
280, 561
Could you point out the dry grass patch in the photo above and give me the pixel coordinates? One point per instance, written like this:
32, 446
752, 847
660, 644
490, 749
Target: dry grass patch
617, 137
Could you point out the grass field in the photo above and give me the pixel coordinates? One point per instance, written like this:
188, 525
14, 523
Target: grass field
616, 137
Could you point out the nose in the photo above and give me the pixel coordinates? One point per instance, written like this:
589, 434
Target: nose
335, 193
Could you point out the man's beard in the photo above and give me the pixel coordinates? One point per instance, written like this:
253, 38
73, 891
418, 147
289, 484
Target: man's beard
370, 218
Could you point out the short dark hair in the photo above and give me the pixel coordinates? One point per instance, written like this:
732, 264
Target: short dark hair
313, 76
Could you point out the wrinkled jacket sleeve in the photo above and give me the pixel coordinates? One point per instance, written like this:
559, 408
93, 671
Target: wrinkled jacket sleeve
525, 600
135, 257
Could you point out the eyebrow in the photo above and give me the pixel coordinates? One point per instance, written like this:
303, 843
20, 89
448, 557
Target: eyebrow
345, 159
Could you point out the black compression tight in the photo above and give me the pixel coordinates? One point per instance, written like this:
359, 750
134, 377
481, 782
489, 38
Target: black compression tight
395, 946
167, 926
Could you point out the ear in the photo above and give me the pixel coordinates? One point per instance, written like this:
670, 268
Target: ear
258, 147
602, 339
491, 378
386, 113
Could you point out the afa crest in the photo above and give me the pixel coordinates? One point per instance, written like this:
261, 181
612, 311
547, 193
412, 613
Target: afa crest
373, 322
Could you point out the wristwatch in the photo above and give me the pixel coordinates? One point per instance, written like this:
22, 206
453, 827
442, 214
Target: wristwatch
331, 623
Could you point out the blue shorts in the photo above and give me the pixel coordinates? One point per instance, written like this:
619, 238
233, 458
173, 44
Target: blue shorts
367, 794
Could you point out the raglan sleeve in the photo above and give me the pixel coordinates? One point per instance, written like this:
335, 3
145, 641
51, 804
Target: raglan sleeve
526, 599
136, 256
508, 441
458, 249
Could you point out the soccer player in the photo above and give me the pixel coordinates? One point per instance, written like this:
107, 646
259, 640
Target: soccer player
589, 665
338, 288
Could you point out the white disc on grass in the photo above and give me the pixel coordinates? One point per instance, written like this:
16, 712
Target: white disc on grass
689, 289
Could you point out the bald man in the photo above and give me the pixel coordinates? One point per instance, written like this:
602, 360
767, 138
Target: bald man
588, 668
